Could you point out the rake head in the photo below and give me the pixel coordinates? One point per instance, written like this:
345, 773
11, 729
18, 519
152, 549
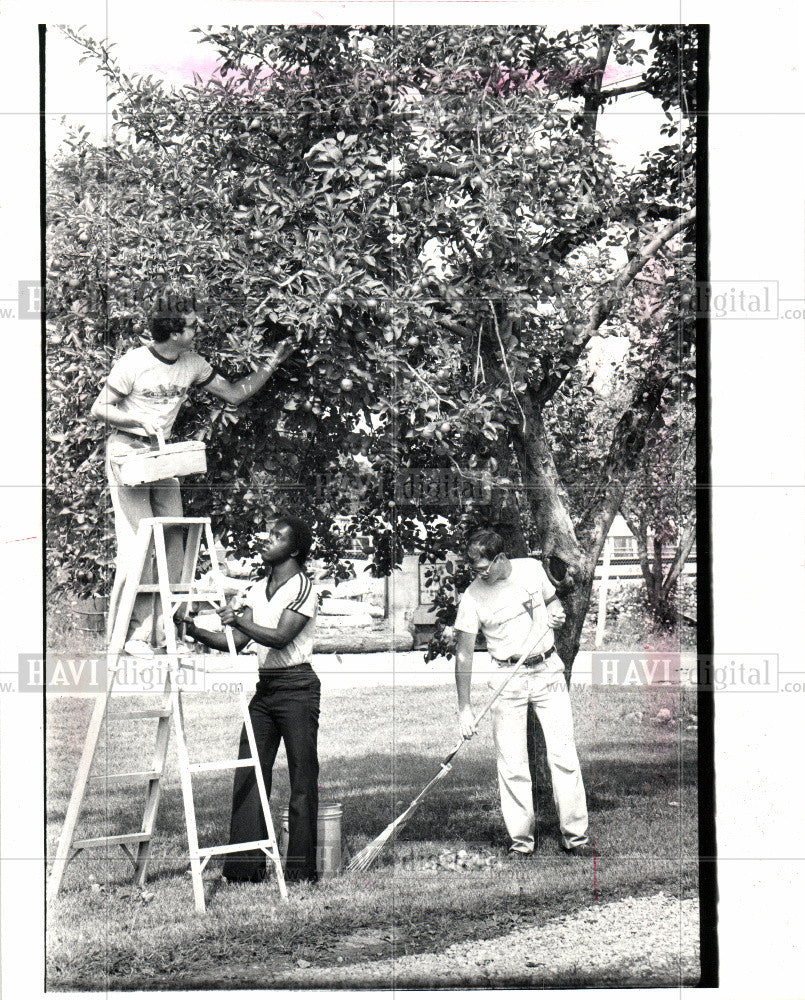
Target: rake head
364, 859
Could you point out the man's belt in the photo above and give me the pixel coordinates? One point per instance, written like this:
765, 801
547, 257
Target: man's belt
532, 661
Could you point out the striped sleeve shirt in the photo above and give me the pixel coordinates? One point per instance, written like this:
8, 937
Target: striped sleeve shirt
296, 594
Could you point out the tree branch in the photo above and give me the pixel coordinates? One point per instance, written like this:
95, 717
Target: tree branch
605, 305
417, 170
628, 441
633, 88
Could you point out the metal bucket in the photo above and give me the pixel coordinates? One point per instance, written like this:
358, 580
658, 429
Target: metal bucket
328, 837
90, 614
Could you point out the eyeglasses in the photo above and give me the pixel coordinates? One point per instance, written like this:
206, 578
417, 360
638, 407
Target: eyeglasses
477, 570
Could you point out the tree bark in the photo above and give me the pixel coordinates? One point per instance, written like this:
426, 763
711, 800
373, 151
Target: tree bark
657, 594
639, 530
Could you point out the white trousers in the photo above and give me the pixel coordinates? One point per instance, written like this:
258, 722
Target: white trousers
544, 688
130, 505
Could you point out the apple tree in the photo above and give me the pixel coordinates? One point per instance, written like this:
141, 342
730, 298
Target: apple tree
432, 210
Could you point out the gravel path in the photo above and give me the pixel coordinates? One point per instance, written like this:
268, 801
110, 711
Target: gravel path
650, 941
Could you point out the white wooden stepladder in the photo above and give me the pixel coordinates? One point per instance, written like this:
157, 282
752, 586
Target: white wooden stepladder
151, 532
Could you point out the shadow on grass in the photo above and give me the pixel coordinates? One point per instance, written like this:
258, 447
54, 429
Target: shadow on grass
377, 752
629, 784
462, 809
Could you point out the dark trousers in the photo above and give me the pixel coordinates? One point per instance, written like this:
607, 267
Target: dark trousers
285, 707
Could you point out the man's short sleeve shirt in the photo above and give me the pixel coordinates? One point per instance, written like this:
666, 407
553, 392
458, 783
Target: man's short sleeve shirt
510, 613
297, 594
153, 388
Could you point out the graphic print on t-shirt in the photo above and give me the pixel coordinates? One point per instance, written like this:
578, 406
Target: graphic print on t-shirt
153, 388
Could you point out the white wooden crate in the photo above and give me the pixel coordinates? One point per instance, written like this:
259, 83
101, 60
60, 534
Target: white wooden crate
181, 458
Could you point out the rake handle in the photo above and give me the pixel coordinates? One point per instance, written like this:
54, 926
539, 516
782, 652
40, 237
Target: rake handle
495, 695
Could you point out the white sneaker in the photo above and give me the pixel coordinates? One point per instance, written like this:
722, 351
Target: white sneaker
182, 649
138, 647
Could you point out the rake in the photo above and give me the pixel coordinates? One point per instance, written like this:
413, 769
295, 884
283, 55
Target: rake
365, 858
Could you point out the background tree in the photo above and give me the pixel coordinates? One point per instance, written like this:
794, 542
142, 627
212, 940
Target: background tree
433, 210
660, 509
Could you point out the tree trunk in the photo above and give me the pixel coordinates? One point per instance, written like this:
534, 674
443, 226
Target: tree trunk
660, 589
592, 97
657, 589
639, 530
683, 550
571, 555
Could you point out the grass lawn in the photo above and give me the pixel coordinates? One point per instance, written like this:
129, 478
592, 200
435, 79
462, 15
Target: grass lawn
378, 747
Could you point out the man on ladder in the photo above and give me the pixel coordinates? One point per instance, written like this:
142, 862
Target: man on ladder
278, 624
143, 395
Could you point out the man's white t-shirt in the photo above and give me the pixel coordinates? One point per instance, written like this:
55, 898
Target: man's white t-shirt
154, 388
296, 594
511, 613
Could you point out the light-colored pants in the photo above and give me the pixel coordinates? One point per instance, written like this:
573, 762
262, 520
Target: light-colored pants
545, 689
130, 504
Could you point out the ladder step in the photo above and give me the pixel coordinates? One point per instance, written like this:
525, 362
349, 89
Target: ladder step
223, 765
120, 838
231, 848
126, 776
153, 713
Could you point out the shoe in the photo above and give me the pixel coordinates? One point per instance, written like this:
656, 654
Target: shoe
138, 647
581, 851
245, 876
301, 878
182, 649
519, 856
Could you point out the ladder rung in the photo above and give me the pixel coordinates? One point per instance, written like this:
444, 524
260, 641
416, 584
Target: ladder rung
223, 765
125, 776
231, 848
152, 713
181, 589
120, 838
176, 520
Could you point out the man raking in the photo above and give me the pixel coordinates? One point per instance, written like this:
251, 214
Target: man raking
510, 601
